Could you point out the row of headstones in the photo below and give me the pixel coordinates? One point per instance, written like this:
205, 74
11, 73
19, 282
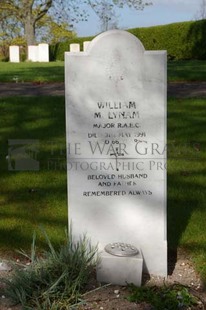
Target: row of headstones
36, 53
39, 53
75, 47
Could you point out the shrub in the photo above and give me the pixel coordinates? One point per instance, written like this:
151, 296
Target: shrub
166, 297
57, 50
185, 40
54, 280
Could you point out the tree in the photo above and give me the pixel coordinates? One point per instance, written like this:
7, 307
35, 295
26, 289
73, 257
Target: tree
29, 12
10, 34
9, 27
105, 11
106, 14
53, 32
201, 13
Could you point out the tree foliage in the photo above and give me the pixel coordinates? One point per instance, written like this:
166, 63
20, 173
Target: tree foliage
27, 13
50, 31
30, 14
105, 10
106, 14
201, 13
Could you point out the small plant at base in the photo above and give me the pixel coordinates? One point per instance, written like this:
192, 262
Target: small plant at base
163, 298
54, 280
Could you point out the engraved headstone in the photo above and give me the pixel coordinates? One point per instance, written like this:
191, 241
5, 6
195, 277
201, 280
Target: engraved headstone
116, 157
14, 55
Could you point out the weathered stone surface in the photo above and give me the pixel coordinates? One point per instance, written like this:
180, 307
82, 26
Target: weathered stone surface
116, 137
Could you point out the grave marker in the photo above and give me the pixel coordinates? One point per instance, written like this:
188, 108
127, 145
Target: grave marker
85, 45
14, 55
33, 53
75, 47
116, 158
38, 53
43, 53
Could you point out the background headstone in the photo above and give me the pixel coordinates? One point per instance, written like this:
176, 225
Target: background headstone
43, 52
33, 53
85, 45
14, 55
75, 47
116, 137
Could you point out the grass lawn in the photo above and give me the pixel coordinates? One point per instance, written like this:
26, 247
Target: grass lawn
32, 72
28, 199
187, 70
191, 70
187, 178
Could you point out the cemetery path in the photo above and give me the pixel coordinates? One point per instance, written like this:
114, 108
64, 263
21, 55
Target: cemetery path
175, 89
31, 89
187, 89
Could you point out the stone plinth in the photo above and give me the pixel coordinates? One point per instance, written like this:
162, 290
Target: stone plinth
120, 270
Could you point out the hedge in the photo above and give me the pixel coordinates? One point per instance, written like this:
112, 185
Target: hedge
185, 40
57, 51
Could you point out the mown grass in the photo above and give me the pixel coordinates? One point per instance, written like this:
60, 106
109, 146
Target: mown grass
187, 178
31, 72
187, 70
190, 70
28, 199
31, 198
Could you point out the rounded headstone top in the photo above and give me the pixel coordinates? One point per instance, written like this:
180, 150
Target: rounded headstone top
121, 39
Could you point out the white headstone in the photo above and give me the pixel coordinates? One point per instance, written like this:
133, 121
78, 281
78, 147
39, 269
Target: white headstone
33, 53
74, 47
85, 45
14, 55
116, 137
43, 52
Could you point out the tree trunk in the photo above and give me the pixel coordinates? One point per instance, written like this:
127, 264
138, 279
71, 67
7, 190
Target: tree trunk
29, 30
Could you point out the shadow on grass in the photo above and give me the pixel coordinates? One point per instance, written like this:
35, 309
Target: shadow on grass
186, 175
32, 72
30, 198
186, 218
186, 70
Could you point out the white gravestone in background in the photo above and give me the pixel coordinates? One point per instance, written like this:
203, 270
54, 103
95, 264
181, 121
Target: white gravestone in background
43, 52
14, 55
116, 137
33, 53
75, 47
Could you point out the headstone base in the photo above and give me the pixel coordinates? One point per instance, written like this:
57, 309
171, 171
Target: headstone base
120, 270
